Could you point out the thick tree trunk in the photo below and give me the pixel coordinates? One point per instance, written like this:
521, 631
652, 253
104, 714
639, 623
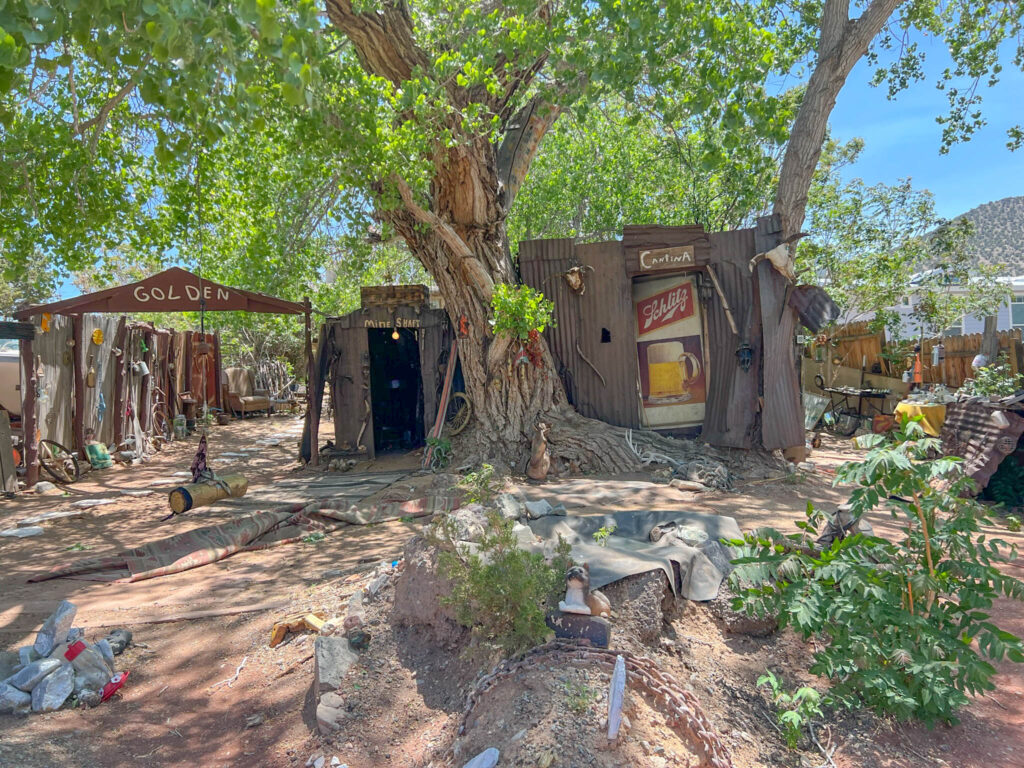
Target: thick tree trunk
841, 44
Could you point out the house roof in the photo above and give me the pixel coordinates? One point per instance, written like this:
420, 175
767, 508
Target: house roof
173, 290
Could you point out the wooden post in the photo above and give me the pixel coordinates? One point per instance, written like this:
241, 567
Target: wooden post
312, 412
218, 373
28, 413
146, 390
78, 422
117, 409
990, 340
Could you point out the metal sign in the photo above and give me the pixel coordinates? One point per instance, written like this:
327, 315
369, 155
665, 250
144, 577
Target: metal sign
657, 259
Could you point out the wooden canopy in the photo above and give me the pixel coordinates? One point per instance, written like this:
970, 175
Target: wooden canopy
173, 290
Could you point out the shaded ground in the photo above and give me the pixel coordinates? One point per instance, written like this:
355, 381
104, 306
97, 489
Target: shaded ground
405, 696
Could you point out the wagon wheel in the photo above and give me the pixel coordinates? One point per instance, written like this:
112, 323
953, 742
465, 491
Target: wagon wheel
459, 413
161, 429
58, 461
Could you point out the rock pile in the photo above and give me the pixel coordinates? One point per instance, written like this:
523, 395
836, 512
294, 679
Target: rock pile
60, 667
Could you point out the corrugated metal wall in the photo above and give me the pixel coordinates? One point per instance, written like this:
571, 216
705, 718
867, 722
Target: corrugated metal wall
607, 337
101, 358
601, 323
56, 387
540, 264
733, 393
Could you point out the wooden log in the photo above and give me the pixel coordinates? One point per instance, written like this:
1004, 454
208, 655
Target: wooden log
186, 497
28, 412
79, 385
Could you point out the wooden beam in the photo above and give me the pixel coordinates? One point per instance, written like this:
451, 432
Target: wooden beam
117, 409
312, 399
78, 406
28, 412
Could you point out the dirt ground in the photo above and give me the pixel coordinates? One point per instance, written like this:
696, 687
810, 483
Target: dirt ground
405, 696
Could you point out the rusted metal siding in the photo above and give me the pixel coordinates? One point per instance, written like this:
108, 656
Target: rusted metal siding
540, 264
607, 337
972, 431
733, 393
782, 415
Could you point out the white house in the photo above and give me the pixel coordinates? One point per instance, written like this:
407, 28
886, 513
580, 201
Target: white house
1010, 315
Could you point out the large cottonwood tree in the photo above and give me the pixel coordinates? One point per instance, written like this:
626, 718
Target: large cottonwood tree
433, 111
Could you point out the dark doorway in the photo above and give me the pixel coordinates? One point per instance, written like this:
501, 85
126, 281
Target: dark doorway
396, 389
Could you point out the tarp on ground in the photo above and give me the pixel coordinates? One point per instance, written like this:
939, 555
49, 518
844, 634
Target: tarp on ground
629, 551
260, 530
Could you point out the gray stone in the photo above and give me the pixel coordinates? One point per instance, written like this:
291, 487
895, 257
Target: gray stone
22, 533
469, 522
377, 584
31, 675
119, 639
524, 536
26, 655
74, 635
510, 506
53, 691
719, 556
333, 699
55, 629
10, 662
137, 492
89, 503
329, 719
13, 700
46, 516
332, 658
103, 646
44, 487
486, 759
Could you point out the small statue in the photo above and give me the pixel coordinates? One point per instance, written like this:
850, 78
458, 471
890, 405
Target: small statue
540, 460
578, 596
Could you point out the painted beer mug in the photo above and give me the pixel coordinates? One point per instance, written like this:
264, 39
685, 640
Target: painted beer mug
671, 370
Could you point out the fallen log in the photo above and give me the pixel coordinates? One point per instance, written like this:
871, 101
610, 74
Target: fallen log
186, 497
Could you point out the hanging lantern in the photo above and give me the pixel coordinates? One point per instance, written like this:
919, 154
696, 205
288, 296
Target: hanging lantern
745, 355
394, 334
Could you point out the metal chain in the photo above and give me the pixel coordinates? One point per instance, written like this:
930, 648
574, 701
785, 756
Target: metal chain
685, 711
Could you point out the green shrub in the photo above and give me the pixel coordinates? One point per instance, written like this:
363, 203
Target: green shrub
499, 591
792, 710
903, 624
997, 379
601, 534
519, 309
480, 487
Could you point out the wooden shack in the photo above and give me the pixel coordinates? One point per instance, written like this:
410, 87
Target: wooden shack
385, 362
676, 330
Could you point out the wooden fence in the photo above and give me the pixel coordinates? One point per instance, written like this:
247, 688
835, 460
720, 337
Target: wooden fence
855, 346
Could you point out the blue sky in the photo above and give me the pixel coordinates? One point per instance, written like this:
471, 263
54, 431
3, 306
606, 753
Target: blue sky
902, 138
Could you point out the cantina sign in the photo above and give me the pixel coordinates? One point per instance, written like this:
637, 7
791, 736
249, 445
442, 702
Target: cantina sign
665, 308
666, 258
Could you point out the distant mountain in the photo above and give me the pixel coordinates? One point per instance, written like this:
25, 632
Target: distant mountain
999, 233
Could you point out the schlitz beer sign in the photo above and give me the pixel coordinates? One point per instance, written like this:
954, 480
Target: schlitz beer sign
658, 259
664, 308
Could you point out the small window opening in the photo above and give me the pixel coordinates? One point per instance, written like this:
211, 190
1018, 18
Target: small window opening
606, 336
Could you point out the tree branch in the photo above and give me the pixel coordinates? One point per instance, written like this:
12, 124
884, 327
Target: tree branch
520, 144
383, 40
99, 122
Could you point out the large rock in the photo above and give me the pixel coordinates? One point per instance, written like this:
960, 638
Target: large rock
10, 661
13, 700
575, 626
737, 623
332, 659
486, 759
330, 713
639, 604
53, 691
55, 629
418, 592
30, 675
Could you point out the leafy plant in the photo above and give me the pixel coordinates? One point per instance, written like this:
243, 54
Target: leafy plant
579, 696
76, 547
499, 591
601, 534
520, 310
997, 379
1013, 523
480, 487
903, 624
793, 710
442, 455
313, 538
